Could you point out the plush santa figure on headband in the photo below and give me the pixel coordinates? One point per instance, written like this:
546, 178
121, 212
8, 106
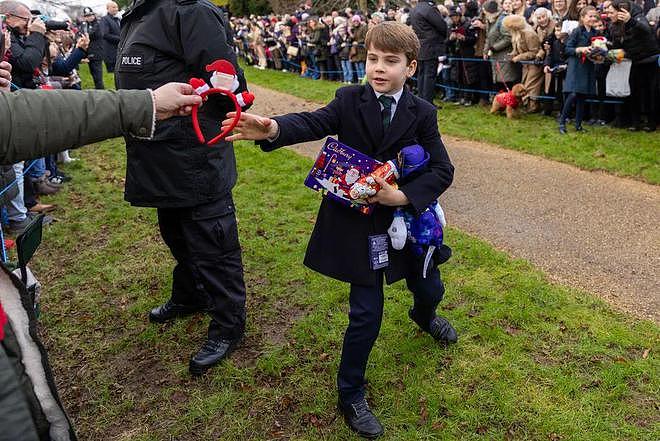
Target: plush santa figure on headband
224, 77
199, 85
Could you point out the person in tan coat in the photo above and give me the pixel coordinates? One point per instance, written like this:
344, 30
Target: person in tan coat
526, 47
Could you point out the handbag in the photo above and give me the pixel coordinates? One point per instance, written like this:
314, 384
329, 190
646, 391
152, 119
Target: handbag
617, 82
292, 51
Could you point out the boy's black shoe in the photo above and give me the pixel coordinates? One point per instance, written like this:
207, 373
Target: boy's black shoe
579, 129
562, 129
169, 311
213, 352
361, 420
441, 330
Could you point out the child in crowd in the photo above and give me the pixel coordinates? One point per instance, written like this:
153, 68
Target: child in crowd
554, 67
598, 110
580, 78
379, 119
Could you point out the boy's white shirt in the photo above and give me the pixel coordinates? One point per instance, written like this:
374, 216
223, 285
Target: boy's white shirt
396, 95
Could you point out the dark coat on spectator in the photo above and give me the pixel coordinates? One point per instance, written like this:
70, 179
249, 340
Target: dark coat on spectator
110, 29
319, 38
498, 41
465, 72
580, 77
636, 37
26, 55
338, 247
555, 56
431, 29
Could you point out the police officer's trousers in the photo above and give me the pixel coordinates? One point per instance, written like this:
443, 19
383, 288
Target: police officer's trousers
209, 271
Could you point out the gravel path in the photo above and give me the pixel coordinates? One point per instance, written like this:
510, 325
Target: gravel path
589, 230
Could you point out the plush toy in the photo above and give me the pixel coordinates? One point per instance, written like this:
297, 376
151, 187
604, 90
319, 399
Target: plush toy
426, 230
225, 82
597, 50
616, 55
224, 77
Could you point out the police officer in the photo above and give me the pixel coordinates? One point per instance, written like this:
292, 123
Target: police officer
92, 28
189, 183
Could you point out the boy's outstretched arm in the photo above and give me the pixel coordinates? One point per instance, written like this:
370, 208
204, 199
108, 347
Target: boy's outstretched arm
251, 127
289, 129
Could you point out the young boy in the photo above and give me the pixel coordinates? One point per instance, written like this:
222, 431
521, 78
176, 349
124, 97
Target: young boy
378, 119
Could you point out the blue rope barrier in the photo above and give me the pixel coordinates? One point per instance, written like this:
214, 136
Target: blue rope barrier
479, 91
285, 61
15, 181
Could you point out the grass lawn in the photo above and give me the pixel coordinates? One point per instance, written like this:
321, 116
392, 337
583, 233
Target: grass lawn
534, 360
617, 151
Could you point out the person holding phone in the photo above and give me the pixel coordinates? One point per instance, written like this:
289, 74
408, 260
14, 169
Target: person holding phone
631, 32
28, 42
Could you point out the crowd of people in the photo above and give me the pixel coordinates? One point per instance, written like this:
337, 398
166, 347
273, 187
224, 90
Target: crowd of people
46, 54
471, 50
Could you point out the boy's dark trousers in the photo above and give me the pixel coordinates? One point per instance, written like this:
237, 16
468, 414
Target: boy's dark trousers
365, 316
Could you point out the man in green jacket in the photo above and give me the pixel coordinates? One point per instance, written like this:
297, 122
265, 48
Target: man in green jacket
32, 124
36, 123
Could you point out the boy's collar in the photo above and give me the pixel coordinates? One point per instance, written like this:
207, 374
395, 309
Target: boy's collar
395, 95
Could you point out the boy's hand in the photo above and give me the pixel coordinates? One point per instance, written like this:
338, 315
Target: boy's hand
388, 195
251, 127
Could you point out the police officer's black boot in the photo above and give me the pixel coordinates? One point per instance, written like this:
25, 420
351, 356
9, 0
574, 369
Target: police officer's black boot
170, 311
360, 419
213, 351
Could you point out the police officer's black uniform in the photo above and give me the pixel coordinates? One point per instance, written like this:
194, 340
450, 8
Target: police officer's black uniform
189, 183
95, 49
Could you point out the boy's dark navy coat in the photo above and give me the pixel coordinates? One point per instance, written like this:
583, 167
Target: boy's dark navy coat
338, 246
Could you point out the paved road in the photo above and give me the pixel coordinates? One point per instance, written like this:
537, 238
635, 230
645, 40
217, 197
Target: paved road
585, 229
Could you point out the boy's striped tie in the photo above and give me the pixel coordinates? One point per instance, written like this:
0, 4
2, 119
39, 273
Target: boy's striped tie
387, 102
